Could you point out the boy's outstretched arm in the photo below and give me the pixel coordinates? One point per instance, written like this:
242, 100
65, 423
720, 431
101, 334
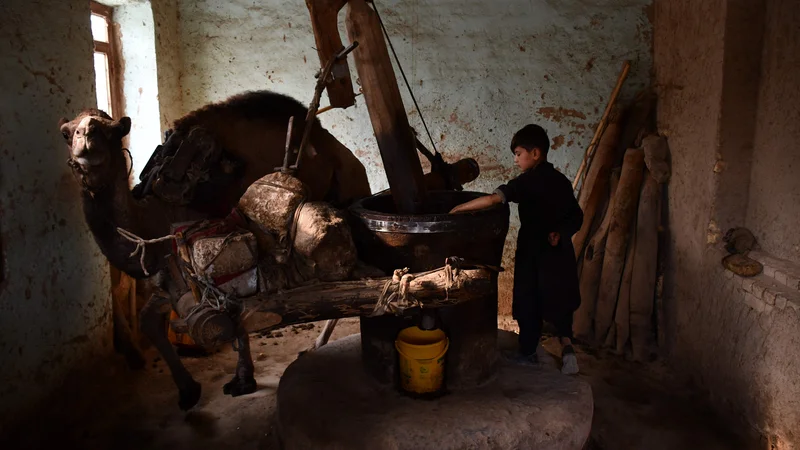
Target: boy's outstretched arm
478, 204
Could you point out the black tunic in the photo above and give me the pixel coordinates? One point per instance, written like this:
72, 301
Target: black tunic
545, 277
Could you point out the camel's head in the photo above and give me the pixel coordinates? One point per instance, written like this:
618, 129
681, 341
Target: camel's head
95, 147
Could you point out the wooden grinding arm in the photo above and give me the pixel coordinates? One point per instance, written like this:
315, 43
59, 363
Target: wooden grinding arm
336, 300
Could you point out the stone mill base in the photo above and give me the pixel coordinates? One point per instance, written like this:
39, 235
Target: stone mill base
327, 401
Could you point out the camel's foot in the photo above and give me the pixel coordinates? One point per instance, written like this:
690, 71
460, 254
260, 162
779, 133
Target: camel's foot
189, 396
308, 350
240, 386
135, 359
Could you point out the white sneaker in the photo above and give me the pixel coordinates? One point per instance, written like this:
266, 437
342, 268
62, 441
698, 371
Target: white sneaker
569, 362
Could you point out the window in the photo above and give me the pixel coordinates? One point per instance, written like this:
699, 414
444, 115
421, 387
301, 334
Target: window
104, 60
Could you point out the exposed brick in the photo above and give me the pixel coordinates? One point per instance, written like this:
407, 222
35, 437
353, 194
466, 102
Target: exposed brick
758, 290
768, 309
792, 281
769, 271
780, 277
727, 273
780, 301
769, 298
793, 305
747, 284
753, 302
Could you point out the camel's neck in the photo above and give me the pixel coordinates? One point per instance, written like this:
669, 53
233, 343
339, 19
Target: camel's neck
113, 207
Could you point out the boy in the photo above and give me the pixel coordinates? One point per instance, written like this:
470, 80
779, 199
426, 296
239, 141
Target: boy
545, 275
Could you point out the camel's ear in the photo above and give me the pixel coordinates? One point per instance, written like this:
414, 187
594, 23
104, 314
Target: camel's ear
123, 127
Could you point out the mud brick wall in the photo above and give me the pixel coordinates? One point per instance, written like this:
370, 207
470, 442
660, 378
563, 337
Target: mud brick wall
55, 308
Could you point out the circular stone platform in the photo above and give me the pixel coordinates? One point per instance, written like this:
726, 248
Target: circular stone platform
326, 400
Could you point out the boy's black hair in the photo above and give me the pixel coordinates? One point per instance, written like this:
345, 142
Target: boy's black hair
531, 136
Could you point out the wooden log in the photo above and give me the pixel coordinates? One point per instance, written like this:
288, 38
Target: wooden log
587, 157
656, 157
638, 120
595, 186
591, 266
396, 140
335, 300
626, 201
325, 23
622, 315
643, 280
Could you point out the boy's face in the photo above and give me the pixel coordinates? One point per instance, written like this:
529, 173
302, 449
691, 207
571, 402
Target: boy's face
526, 159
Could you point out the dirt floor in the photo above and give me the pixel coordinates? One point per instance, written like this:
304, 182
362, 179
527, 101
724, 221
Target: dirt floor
637, 406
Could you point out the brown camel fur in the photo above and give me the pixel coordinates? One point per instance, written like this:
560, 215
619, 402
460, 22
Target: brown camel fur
250, 126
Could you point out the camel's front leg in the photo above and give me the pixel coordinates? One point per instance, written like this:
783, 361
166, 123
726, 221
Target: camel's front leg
243, 382
154, 317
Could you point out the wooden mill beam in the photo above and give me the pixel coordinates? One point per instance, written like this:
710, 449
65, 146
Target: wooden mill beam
324, 21
395, 138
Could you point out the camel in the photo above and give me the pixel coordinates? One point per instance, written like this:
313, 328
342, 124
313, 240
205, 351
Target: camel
251, 128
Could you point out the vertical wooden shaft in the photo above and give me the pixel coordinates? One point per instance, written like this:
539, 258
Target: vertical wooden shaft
324, 21
386, 111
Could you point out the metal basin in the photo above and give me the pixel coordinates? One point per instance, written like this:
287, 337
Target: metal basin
422, 242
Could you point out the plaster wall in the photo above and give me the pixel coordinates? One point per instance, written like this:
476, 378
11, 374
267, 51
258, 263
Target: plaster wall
135, 28
55, 310
480, 71
168, 61
745, 354
774, 204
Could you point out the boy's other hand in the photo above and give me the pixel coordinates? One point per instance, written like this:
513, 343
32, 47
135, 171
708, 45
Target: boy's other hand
553, 238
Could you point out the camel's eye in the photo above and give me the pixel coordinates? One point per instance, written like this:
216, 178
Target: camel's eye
65, 133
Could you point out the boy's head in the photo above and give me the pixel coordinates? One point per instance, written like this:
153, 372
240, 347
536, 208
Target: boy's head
530, 146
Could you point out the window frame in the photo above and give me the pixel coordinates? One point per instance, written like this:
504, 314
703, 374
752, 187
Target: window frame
110, 50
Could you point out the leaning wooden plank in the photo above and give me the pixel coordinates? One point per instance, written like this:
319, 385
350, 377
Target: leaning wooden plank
622, 314
625, 204
336, 300
595, 187
590, 150
592, 264
643, 280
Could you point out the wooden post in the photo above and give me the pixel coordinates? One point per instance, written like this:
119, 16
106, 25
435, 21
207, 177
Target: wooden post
595, 185
592, 264
386, 111
324, 21
643, 281
622, 316
626, 202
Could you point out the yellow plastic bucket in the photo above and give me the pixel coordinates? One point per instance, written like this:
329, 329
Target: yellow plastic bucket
421, 359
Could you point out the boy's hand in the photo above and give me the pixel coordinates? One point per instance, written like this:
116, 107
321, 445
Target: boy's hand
553, 238
457, 209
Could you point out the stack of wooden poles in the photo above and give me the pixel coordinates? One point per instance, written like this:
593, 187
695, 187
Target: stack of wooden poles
618, 245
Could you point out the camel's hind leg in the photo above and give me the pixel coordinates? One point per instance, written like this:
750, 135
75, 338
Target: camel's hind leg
326, 334
243, 382
153, 324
